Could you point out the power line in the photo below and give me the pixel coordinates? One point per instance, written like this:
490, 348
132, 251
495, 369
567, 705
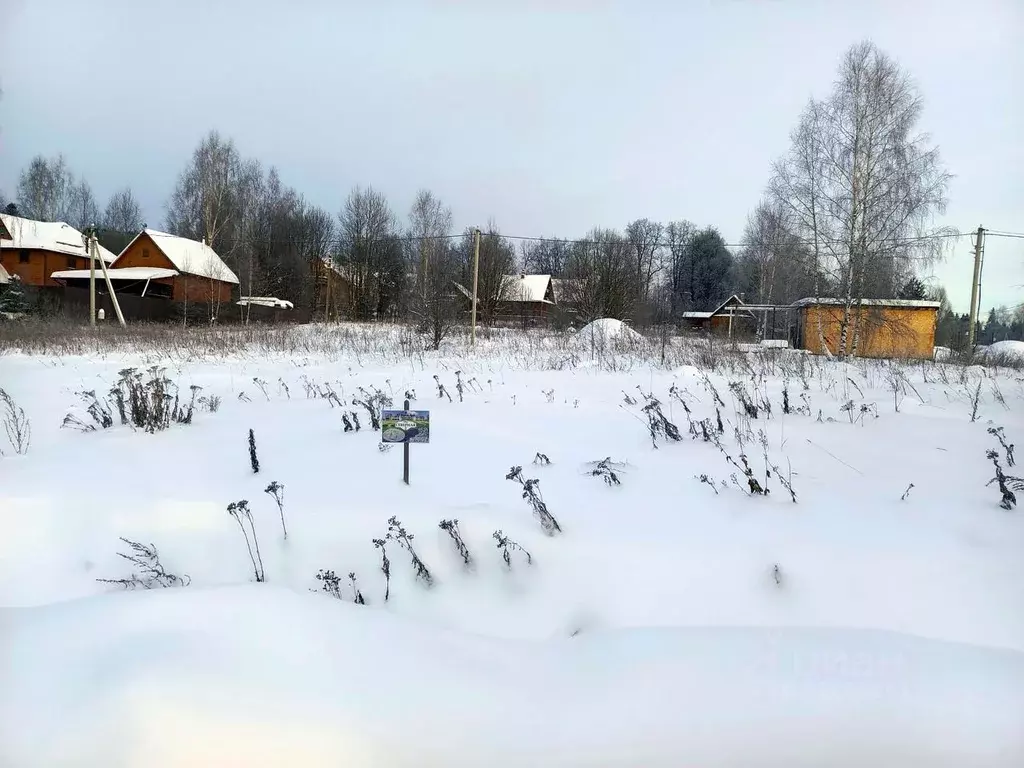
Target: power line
1019, 235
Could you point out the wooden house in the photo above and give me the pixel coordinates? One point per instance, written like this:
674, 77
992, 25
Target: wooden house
525, 298
34, 250
888, 328
158, 265
730, 318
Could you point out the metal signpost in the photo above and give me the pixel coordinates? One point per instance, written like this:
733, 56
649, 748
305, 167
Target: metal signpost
405, 427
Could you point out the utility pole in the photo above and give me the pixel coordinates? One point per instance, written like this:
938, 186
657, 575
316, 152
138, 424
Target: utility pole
95, 252
476, 275
90, 232
979, 250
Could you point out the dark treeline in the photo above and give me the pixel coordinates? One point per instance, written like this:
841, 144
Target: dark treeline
847, 212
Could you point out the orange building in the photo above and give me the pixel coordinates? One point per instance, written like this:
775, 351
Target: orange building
160, 265
34, 250
890, 328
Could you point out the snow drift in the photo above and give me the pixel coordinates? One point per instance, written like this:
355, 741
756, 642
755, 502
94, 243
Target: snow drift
260, 676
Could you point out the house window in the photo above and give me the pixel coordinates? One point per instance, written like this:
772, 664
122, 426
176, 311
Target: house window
72, 262
145, 253
23, 257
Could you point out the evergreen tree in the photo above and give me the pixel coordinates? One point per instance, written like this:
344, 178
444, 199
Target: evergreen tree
13, 299
914, 288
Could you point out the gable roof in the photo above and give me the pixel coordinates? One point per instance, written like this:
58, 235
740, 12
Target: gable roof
54, 236
533, 288
188, 256
732, 300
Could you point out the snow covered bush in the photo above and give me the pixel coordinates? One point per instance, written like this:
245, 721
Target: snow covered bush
451, 527
254, 459
398, 534
604, 469
240, 511
150, 572
16, 424
276, 490
385, 566
1007, 483
507, 546
151, 403
532, 495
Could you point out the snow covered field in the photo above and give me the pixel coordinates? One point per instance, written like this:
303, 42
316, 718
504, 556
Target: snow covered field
678, 619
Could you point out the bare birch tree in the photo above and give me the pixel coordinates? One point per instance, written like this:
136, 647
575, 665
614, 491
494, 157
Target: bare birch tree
864, 183
430, 223
644, 238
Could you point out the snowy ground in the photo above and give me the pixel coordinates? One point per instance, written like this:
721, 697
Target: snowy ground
672, 622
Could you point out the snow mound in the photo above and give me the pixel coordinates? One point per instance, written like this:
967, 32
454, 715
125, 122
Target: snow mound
1003, 351
261, 676
607, 332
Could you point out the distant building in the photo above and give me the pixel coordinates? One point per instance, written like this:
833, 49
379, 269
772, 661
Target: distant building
162, 266
34, 250
884, 327
730, 318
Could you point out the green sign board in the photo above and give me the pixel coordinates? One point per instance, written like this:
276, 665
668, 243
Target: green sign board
405, 426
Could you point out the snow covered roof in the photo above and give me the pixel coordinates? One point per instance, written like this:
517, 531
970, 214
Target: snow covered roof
190, 257
54, 236
4, 277
532, 288
265, 301
733, 300
124, 273
870, 303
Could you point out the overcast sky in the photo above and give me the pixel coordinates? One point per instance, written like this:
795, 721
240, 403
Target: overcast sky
551, 117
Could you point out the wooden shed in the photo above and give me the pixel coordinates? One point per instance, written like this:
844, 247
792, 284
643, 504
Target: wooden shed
34, 250
886, 328
730, 318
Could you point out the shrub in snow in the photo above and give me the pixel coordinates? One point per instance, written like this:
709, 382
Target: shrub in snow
1007, 483
373, 402
244, 398
16, 424
152, 403
996, 432
750, 408
532, 495
210, 403
975, 400
441, 391
451, 527
458, 384
98, 411
282, 387
276, 490
385, 566
658, 424
777, 575
906, 493
357, 594
330, 583
240, 511
150, 573
262, 385
708, 481
254, 460
397, 533
507, 545
542, 458
604, 469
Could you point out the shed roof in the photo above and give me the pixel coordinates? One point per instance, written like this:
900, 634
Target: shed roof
54, 236
124, 273
531, 288
189, 256
912, 303
265, 301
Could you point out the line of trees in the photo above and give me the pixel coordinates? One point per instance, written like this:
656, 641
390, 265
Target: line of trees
847, 212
